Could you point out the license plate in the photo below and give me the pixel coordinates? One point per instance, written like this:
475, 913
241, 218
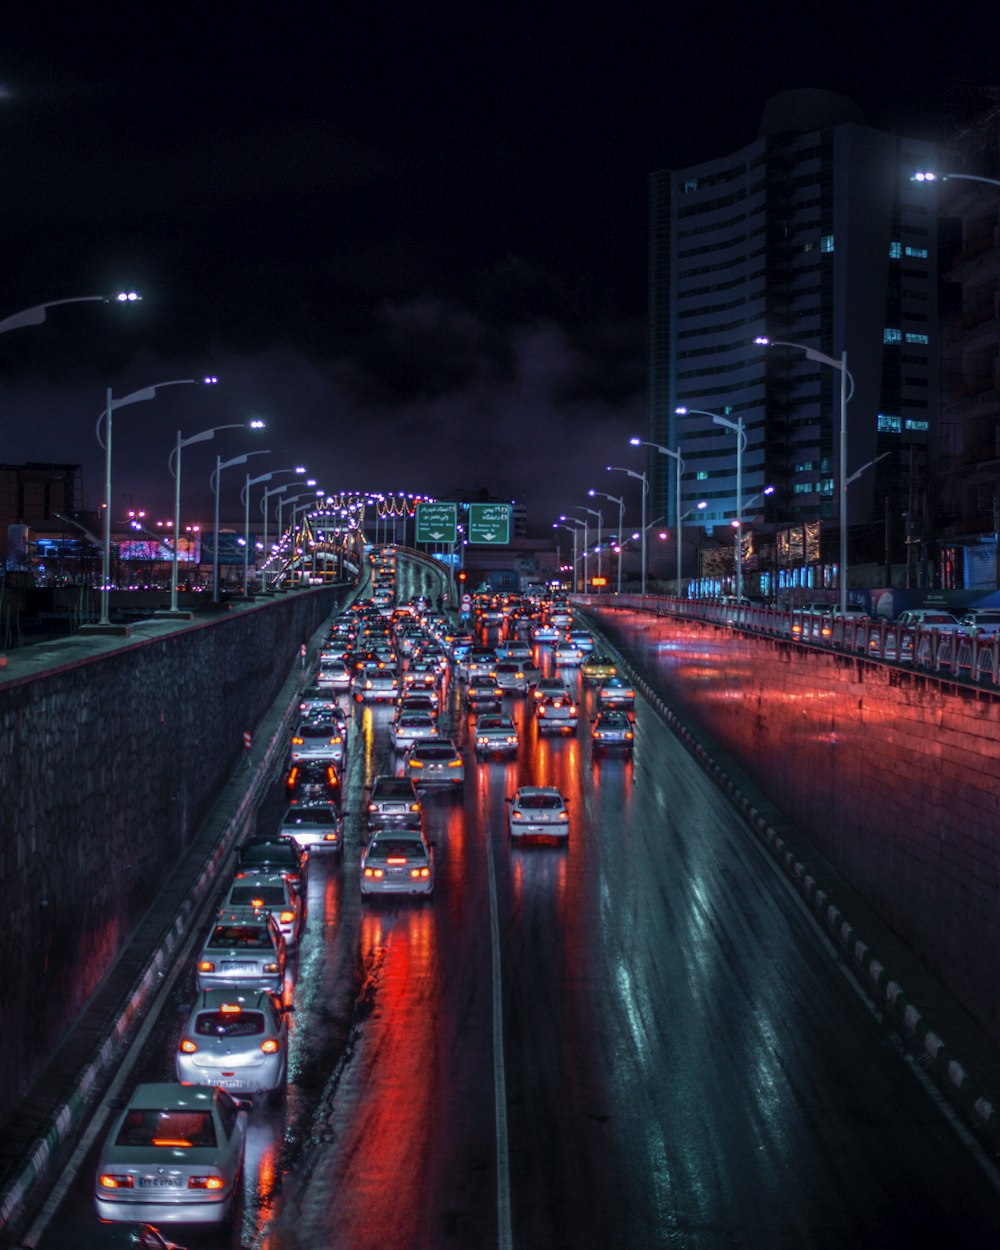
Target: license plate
231, 1082
159, 1182
236, 967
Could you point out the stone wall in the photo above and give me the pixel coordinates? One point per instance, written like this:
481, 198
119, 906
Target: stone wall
108, 765
894, 776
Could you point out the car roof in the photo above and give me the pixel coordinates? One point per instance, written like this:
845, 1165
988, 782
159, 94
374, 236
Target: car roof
528, 791
157, 1095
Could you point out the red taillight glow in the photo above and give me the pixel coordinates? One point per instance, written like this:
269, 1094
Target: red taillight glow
171, 1141
271, 1046
206, 1182
115, 1181
331, 837
188, 1047
205, 966
374, 872
397, 859
287, 917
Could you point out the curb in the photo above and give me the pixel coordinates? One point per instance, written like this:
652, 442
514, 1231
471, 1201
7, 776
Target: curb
929, 1049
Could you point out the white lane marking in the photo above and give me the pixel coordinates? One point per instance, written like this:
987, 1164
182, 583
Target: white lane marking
505, 1238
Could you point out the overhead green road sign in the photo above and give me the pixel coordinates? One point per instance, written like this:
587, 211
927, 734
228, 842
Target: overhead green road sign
489, 523
437, 523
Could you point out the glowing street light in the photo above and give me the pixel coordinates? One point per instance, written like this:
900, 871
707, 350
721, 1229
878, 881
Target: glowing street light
147, 392
35, 316
666, 451
620, 501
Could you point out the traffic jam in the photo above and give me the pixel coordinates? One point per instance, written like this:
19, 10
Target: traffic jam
441, 700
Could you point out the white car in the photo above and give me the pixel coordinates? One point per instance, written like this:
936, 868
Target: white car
314, 826
538, 811
495, 735
410, 727
236, 1040
434, 762
174, 1155
397, 861
319, 740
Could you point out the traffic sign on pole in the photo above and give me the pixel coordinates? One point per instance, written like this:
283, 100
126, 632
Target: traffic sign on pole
489, 523
437, 523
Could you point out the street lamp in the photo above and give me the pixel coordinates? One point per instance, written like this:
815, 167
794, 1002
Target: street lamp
290, 499
215, 482
928, 175
620, 501
666, 451
572, 520
147, 392
174, 465
845, 396
35, 316
245, 496
741, 443
613, 468
574, 530
600, 518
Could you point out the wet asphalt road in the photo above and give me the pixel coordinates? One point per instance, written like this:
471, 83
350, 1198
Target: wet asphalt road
685, 1064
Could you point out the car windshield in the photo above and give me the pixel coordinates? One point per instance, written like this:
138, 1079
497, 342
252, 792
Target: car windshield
257, 896
539, 801
268, 854
248, 936
490, 722
383, 848
166, 1128
229, 1023
393, 788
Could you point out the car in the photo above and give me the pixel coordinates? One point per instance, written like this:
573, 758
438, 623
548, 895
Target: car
513, 649
313, 781
495, 735
314, 700
319, 740
538, 811
410, 726
373, 684
927, 618
334, 675
561, 615
613, 729
615, 692
313, 826
568, 653
235, 1039
417, 701
244, 947
598, 667
985, 621
174, 1155
511, 677
434, 763
582, 639
555, 712
393, 801
547, 687
478, 662
274, 894
421, 675
483, 692
397, 861
268, 855
544, 631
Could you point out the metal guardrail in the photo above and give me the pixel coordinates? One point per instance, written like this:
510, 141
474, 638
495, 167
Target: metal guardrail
963, 654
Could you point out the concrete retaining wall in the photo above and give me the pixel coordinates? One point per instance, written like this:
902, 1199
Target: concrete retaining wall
108, 764
894, 776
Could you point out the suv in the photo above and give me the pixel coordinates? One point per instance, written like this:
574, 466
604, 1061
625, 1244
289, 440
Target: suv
393, 801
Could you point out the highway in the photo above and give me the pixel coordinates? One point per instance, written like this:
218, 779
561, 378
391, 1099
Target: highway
682, 1061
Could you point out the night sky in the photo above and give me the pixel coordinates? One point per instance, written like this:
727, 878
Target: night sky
410, 237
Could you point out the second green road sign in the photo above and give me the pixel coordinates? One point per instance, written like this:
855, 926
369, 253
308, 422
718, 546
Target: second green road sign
437, 523
489, 523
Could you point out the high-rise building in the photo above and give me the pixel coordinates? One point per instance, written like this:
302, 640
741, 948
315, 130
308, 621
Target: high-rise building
812, 234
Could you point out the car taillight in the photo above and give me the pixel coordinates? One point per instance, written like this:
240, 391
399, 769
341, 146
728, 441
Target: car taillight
396, 859
564, 815
115, 1180
373, 807
374, 872
296, 742
271, 1046
420, 872
272, 968
188, 1047
206, 1182
205, 966
287, 917
629, 735
414, 807
516, 816
416, 763
454, 763
331, 837
572, 709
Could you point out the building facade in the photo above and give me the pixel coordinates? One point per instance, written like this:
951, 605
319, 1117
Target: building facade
814, 235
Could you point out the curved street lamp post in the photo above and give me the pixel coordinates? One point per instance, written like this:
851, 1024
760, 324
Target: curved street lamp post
641, 477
